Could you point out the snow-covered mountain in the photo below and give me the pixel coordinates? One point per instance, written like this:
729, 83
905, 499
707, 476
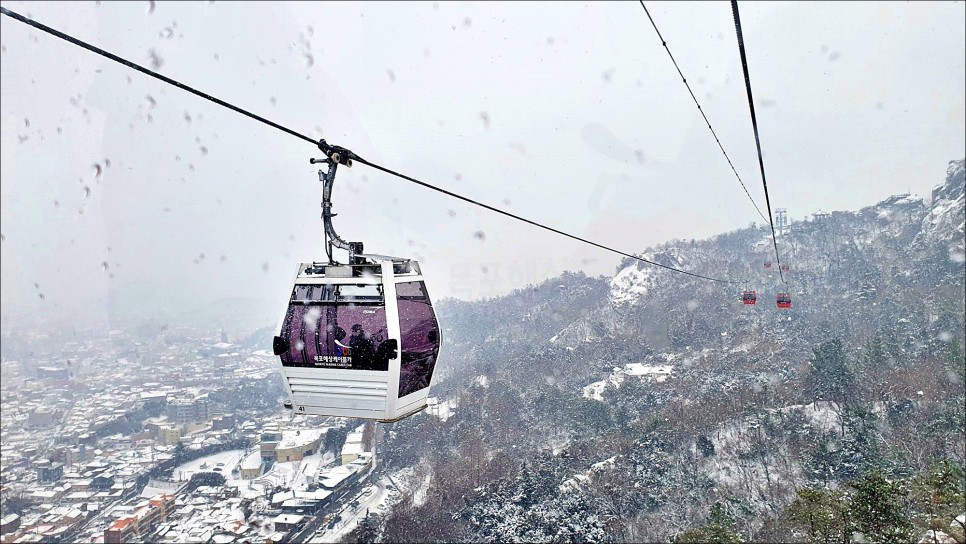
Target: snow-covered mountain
628, 407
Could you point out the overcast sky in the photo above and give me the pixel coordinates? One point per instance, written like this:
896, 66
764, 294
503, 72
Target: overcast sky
567, 113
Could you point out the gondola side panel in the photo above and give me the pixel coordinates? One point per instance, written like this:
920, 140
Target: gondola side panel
419, 335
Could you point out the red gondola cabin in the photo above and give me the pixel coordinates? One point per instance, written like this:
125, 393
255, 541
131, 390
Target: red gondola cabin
784, 300
749, 297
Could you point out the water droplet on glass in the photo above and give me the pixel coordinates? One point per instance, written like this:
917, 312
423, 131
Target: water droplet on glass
485, 117
479, 235
392, 75
150, 7
87, 191
265, 266
104, 265
311, 317
156, 60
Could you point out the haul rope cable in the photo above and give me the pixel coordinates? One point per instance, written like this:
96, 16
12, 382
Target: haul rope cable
754, 124
701, 110
329, 149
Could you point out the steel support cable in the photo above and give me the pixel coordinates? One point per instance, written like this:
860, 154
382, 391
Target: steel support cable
325, 147
534, 223
701, 111
144, 70
754, 125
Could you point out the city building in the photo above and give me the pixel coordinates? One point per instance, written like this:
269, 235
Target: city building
184, 411
287, 522
352, 447
296, 444
268, 442
142, 521
251, 466
169, 436
53, 373
48, 472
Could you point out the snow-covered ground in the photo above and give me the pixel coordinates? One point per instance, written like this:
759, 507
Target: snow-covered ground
572, 484
731, 468
440, 409
630, 285
229, 460
648, 373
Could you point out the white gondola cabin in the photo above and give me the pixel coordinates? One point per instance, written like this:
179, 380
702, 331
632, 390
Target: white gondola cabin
359, 340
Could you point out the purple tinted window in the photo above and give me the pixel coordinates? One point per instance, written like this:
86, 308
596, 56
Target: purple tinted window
420, 337
323, 334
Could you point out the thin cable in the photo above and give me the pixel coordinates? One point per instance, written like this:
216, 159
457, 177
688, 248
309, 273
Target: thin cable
701, 110
754, 124
534, 223
151, 73
355, 157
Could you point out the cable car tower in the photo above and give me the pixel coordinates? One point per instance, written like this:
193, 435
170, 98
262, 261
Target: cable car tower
359, 339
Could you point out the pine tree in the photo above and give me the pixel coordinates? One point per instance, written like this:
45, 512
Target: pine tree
822, 514
878, 509
718, 529
939, 494
831, 377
